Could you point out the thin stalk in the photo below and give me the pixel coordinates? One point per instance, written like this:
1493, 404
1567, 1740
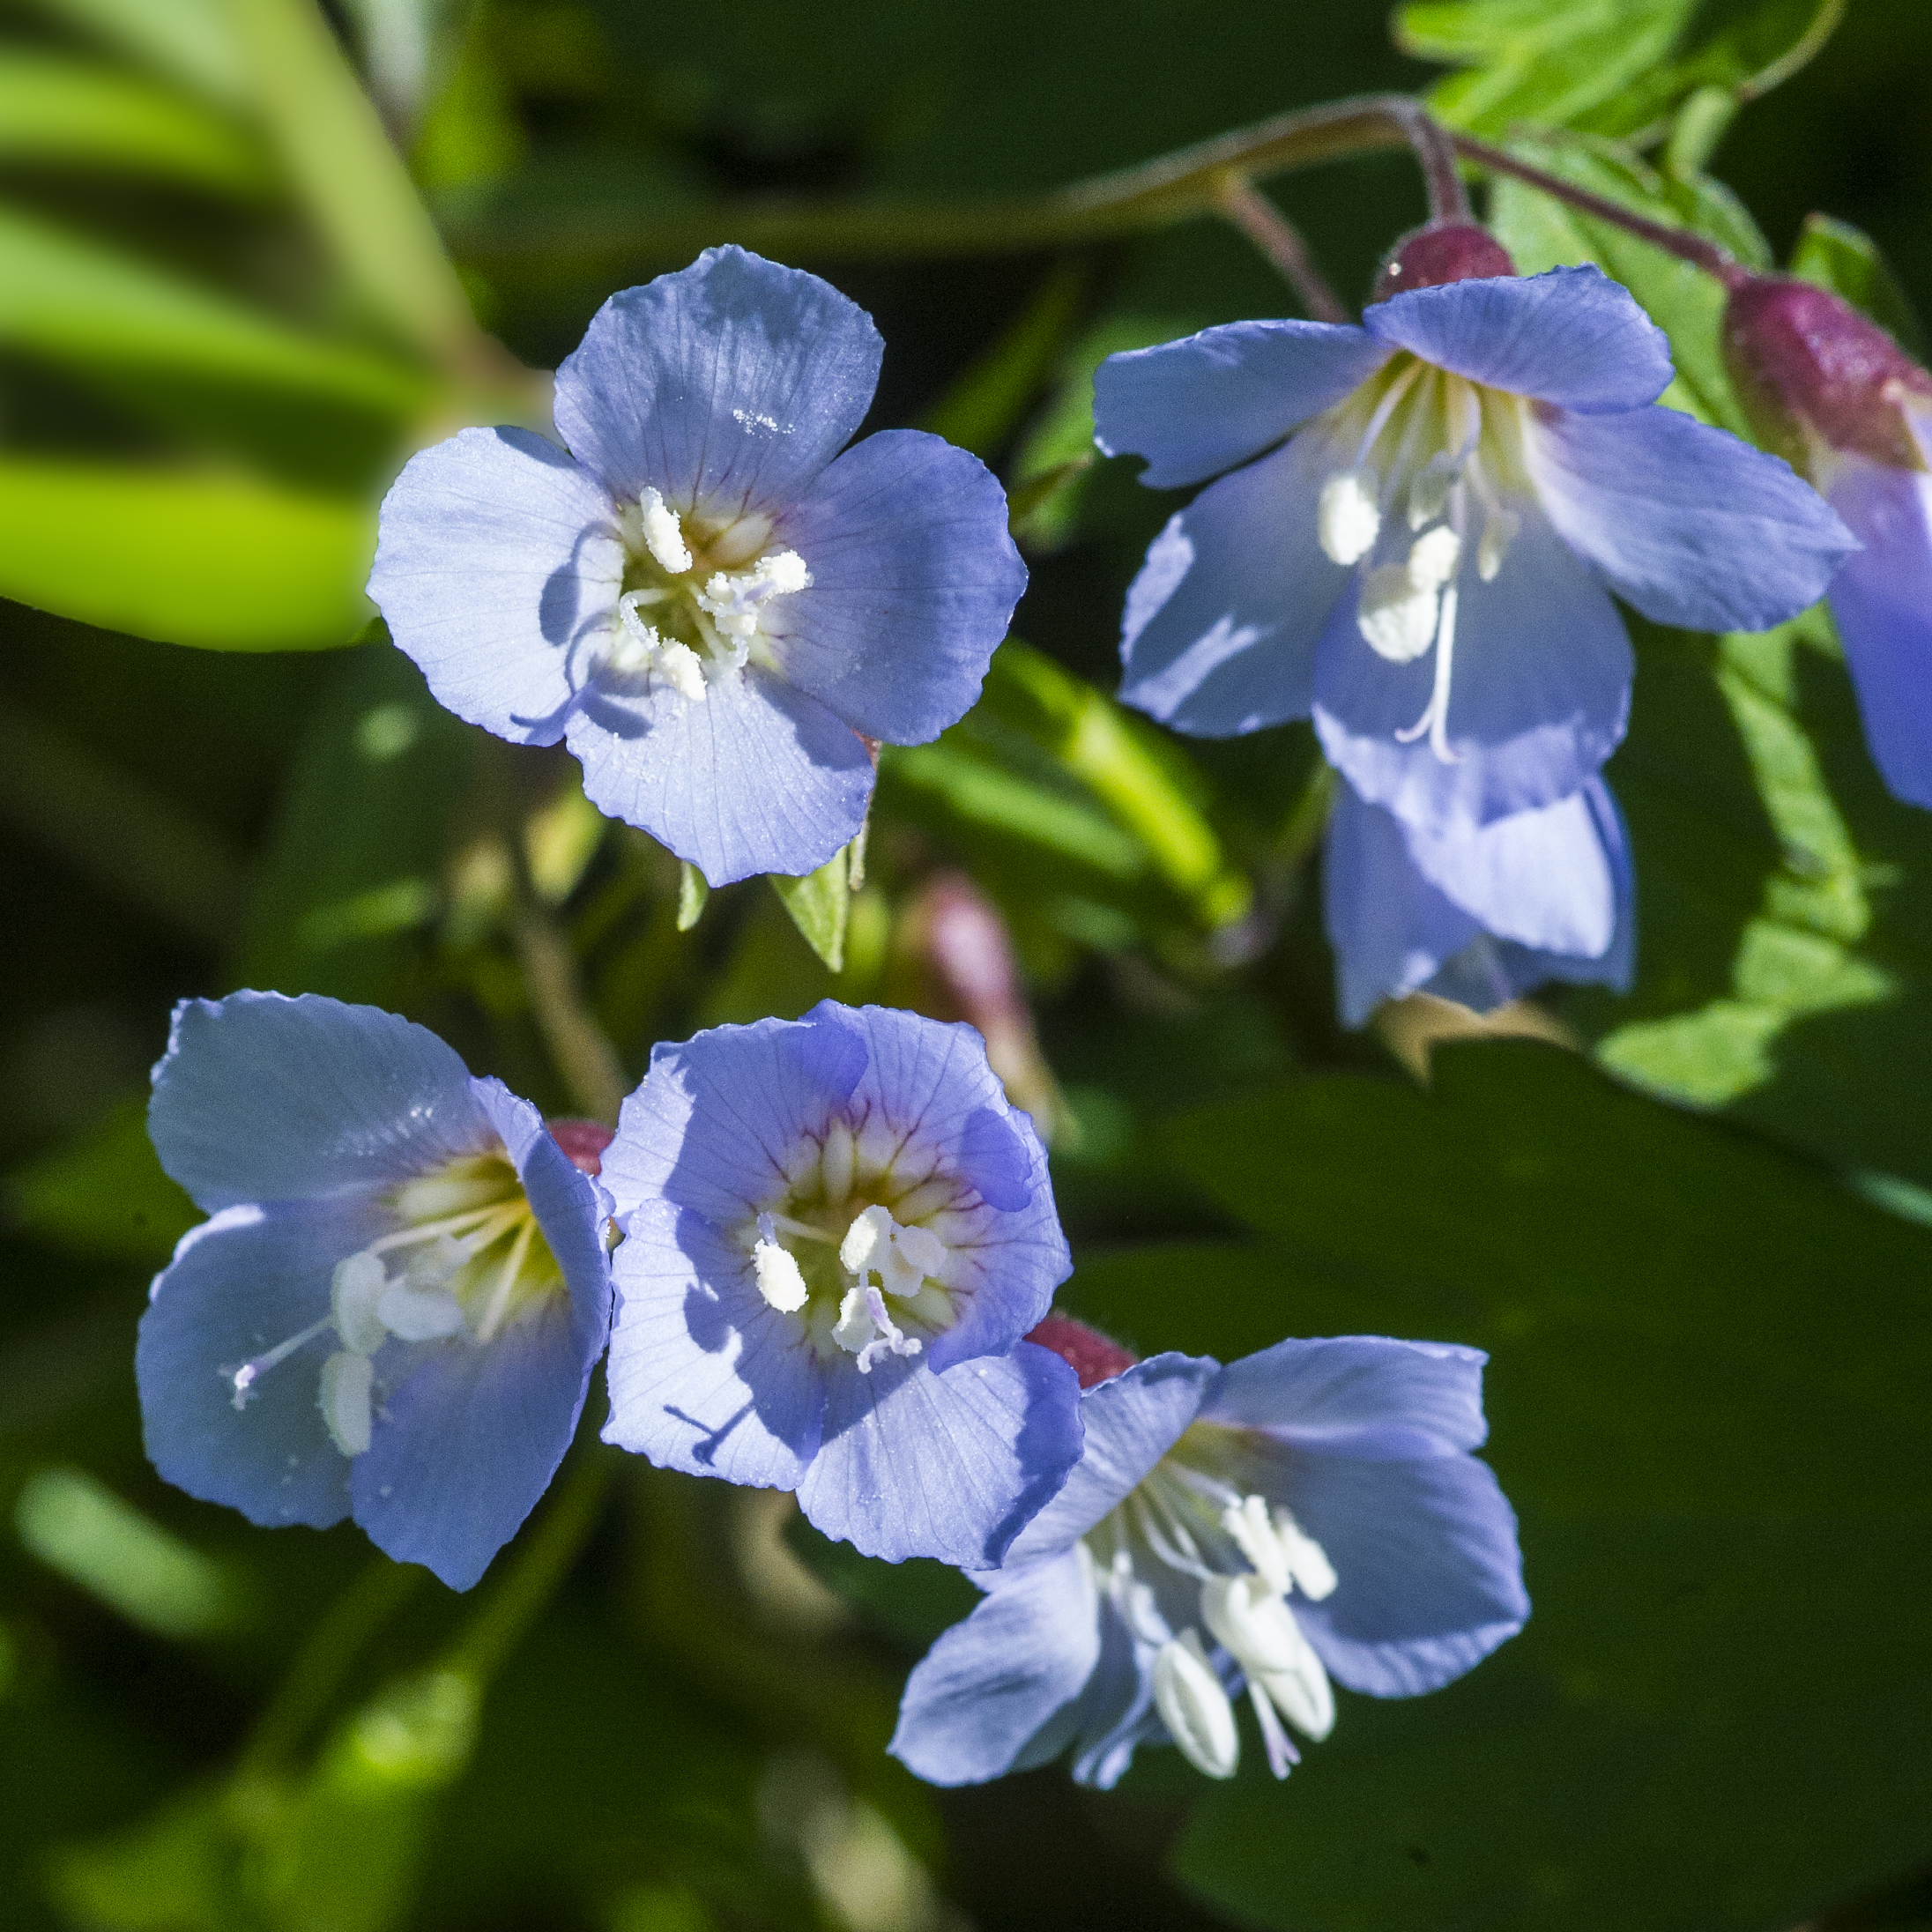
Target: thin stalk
1435, 155
1682, 243
1280, 241
580, 1048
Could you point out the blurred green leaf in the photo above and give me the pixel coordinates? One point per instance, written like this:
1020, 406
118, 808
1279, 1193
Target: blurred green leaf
1705, 1395
913, 1601
174, 1872
105, 1196
1845, 260
54, 108
187, 40
184, 557
982, 408
693, 891
72, 302
820, 904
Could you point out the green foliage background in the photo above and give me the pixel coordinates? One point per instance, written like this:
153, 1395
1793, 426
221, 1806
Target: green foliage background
234, 295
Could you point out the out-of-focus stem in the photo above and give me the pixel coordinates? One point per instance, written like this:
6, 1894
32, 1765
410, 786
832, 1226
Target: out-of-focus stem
1280, 241
580, 1048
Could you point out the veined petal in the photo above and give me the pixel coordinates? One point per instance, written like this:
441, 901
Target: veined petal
1198, 407
705, 1376
1001, 1690
1431, 1577
1221, 623
1539, 699
1366, 1396
497, 554
1570, 336
727, 386
952, 1466
239, 1285
1688, 524
1129, 1422
913, 580
264, 1097
755, 777
1883, 602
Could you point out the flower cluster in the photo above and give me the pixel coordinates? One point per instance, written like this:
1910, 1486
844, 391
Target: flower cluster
1412, 537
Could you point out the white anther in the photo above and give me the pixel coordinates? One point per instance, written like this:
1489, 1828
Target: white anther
1400, 603
438, 1262
901, 1257
683, 669
418, 1314
1433, 557
1307, 1560
1253, 1534
1430, 488
865, 1330
348, 1381
1500, 527
779, 1279
734, 599
1194, 1707
664, 534
1259, 1631
1347, 520
639, 647
354, 1289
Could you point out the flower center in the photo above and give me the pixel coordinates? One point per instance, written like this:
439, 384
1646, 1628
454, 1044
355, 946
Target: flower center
852, 1251
1188, 1534
1440, 455
694, 593
466, 1259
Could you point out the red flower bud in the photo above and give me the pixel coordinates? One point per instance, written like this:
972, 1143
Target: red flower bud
1091, 1355
1811, 371
1445, 251
584, 1141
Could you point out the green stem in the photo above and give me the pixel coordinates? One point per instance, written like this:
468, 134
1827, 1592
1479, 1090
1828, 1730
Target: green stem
1682, 243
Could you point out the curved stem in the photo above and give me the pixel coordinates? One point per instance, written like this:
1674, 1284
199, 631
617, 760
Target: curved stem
1682, 243
1435, 155
1280, 241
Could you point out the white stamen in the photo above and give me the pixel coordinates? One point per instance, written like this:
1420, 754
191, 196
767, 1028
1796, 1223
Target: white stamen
348, 1381
1257, 1629
779, 1279
734, 599
417, 1314
354, 1289
901, 1257
1435, 720
641, 647
1396, 615
250, 1373
1500, 527
1307, 1560
1347, 520
1430, 489
1247, 1523
444, 1258
1433, 558
663, 535
865, 1330
1194, 1707
683, 669
1281, 1754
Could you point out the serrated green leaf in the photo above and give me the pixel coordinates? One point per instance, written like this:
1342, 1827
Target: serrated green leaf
1845, 260
1721, 1662
184, 557
83, 116
72, 302
105, 1194
819, 904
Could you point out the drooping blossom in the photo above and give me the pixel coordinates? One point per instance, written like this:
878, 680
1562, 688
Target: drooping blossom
1417, 524
836, 1232
394, 1308
711, 605
1831, 391
1308, 1513
1480, 916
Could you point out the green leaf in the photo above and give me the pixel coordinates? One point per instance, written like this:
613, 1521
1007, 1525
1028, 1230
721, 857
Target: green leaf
174, 1872
1705, 1393
693, 891
187, 40
74, 302
912, 1601
106, 1195
981, 409
819, 904
184, 557
1845, 260
53, 108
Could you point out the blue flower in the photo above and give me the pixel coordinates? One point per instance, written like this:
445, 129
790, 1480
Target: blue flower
393, 1311
1419, 526
1308, 1512
712, 606
1480, 916
1853, 411
836, 1232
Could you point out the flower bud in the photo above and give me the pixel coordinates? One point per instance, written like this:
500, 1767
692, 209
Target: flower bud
1443, 252
1812, 374
583, 1141
1092, 1357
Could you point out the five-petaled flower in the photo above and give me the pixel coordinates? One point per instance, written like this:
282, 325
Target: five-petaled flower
1417, 524
1832, 391
836, 1232
1480, 916
394, 1309
712, 606
1309, 1512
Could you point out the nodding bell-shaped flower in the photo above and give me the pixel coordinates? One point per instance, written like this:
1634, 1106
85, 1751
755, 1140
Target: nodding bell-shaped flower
1412, 529
836, 1232
715, 603
394, 1309
1830, 390
1306, 1515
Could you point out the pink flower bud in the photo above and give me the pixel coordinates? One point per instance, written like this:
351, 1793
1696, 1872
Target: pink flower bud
1443, 251
584, 1141
1092, 1357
